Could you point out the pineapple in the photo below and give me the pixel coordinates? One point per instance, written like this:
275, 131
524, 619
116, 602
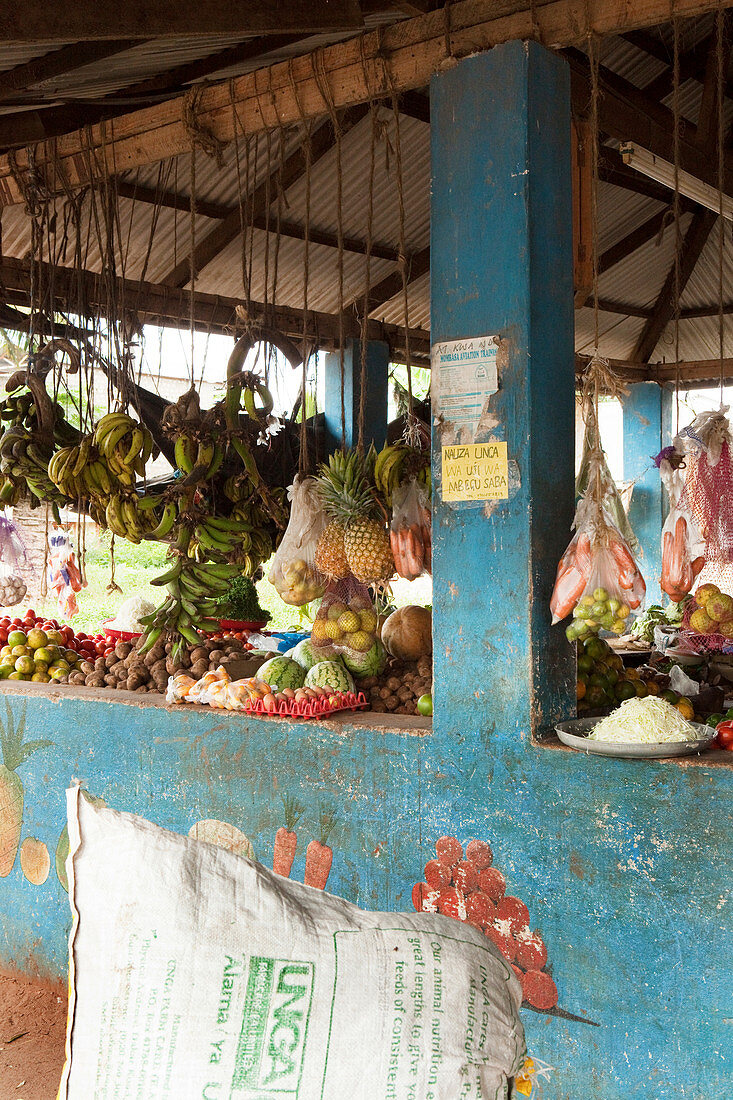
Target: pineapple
348, 500
330, 556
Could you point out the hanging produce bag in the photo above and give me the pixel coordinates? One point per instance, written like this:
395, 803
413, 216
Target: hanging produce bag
13, 562
409, 532
346, 627
708, 491
597, 578
594, 471
683, 549
294, 573
63, 574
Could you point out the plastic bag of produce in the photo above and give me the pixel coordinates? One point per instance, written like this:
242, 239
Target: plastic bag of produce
179, 688
594, 471
13, 563
196, 972
346, 626
63, 574
409, 532
293, 571
683, 548
597, 578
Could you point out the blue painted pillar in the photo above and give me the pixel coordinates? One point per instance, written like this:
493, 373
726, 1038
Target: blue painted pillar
647, 428
375, 411
501, 264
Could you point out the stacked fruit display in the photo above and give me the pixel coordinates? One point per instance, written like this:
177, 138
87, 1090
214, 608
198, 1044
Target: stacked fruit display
467, 887
36, 655
604, 682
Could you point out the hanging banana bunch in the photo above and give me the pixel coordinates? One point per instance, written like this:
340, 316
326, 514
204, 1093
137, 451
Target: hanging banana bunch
398, 462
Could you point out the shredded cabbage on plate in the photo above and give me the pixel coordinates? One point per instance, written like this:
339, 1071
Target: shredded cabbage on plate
644, 721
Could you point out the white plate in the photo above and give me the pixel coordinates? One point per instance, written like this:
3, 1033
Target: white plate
574, 734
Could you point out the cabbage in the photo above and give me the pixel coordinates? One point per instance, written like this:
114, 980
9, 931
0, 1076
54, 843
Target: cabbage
647, 721
129, 614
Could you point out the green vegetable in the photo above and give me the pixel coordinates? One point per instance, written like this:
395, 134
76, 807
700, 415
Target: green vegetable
241, 603
656, 615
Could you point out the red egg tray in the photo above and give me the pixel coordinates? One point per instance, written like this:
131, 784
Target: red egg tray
313, 708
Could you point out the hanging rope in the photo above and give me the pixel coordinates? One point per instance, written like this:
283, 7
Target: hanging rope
323, 87
198, 134
720, 119
676, 205
367, 274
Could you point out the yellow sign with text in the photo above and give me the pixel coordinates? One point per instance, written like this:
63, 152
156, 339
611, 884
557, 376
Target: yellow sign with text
476, 471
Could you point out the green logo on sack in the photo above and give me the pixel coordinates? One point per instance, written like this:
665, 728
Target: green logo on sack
271, 1047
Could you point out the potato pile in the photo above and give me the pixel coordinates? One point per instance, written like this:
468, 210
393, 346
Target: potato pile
399, 687
127, 670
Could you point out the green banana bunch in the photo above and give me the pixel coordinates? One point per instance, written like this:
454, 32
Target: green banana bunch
24, 463
199, 461
134, 518
397, 462
124, 444
193, 590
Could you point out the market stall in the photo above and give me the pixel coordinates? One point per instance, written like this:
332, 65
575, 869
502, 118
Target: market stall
414, 748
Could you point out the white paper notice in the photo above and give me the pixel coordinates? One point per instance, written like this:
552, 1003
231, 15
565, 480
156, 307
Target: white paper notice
464, 376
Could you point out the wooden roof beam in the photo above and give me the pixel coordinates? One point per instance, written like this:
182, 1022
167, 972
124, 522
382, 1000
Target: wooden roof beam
58, 62
128, 189
398, 58
168, 306
628, 114
284, 176
692, 246
38, 21
649, 229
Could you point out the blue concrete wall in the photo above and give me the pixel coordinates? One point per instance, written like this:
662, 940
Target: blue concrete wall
647, 415
625, 866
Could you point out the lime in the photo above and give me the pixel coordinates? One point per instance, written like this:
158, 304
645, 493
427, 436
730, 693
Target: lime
641, 690
5, 670
614, 605
425, 705
25, 665
624, 690
595, 696
671, 697
585, 663
581, 612
598, 610
600, 595
587, 601
624, 611
16, 637
612, 676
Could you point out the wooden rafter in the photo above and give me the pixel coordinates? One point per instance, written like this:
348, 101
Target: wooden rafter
284, 176
707, 122
38, 21
687, 373
58, 62
218, 212
164, 305
692, 246
399, 58
649, 229
628, 114
386, 289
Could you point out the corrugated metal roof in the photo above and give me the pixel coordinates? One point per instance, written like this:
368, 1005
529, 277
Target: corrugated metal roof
636, 281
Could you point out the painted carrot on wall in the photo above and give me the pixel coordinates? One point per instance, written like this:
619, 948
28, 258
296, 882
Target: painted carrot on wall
318, 855
286, 839
15, 753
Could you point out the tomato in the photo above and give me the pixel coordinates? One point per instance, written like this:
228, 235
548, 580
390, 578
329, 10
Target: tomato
109, 649
30, 613
724, 735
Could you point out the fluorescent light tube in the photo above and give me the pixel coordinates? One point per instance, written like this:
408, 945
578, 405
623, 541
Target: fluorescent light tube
663, 172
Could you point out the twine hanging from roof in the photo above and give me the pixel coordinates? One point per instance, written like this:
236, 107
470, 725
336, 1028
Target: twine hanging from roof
199, 134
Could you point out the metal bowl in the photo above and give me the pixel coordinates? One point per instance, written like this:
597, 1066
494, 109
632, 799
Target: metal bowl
574, 734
